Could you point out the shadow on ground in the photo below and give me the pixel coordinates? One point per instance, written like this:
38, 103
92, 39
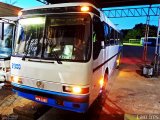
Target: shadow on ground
108, 111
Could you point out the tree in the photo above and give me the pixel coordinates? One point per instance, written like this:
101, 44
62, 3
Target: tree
138, 31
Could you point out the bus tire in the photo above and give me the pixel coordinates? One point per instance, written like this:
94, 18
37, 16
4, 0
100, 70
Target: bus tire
83, 116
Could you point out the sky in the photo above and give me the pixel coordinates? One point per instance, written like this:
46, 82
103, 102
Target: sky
122, 23
129, 22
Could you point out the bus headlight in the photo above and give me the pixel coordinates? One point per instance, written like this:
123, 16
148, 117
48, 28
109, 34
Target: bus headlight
16, 79
75, 89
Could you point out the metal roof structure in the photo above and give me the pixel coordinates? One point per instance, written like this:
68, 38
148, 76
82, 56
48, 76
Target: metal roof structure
8, 10
133, 12
118, 3
107, 3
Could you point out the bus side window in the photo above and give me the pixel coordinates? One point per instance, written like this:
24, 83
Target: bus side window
112, 36
106, 34
119, 38
116, 37
98, 36
8, 34
118, 42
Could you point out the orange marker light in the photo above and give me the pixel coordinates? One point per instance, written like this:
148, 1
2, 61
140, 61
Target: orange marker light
118, 61
101, 82
84, 8
16, 79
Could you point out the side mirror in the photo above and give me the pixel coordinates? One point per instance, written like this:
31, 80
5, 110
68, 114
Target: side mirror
102, 45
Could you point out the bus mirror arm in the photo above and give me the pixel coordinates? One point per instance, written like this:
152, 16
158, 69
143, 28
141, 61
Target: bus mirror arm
102, 45
24, 57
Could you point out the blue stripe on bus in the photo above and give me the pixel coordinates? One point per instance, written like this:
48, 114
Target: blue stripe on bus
67, 105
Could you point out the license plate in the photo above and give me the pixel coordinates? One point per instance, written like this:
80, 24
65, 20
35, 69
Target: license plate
41, 99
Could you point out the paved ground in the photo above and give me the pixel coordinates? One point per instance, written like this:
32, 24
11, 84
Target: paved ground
132, 93
129, 93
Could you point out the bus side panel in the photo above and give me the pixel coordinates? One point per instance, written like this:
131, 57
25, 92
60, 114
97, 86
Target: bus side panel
98, 74
95, 87
113, 52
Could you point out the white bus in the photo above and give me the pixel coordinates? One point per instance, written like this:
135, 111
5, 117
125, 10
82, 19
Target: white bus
64, 54
7, 29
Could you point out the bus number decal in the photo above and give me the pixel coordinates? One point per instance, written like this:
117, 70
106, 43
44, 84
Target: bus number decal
16, 66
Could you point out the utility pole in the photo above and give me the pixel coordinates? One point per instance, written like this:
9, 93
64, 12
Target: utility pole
146, 36
157, 51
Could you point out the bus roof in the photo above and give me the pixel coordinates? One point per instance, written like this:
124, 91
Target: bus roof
9, 18
102, 14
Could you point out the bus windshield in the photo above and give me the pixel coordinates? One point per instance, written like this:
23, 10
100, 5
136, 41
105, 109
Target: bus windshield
6, 43
54, 37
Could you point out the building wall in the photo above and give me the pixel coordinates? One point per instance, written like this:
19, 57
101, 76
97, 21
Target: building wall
8, 10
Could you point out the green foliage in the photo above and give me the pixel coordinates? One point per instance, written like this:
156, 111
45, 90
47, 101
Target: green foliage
139, 31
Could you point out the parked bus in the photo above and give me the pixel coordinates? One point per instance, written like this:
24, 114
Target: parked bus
64, 54
7, 27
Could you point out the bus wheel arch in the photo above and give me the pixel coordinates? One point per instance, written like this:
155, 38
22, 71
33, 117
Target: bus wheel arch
103, 93
105, 79
106, 75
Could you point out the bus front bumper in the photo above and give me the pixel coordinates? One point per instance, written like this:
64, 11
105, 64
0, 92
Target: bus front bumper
76, 103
